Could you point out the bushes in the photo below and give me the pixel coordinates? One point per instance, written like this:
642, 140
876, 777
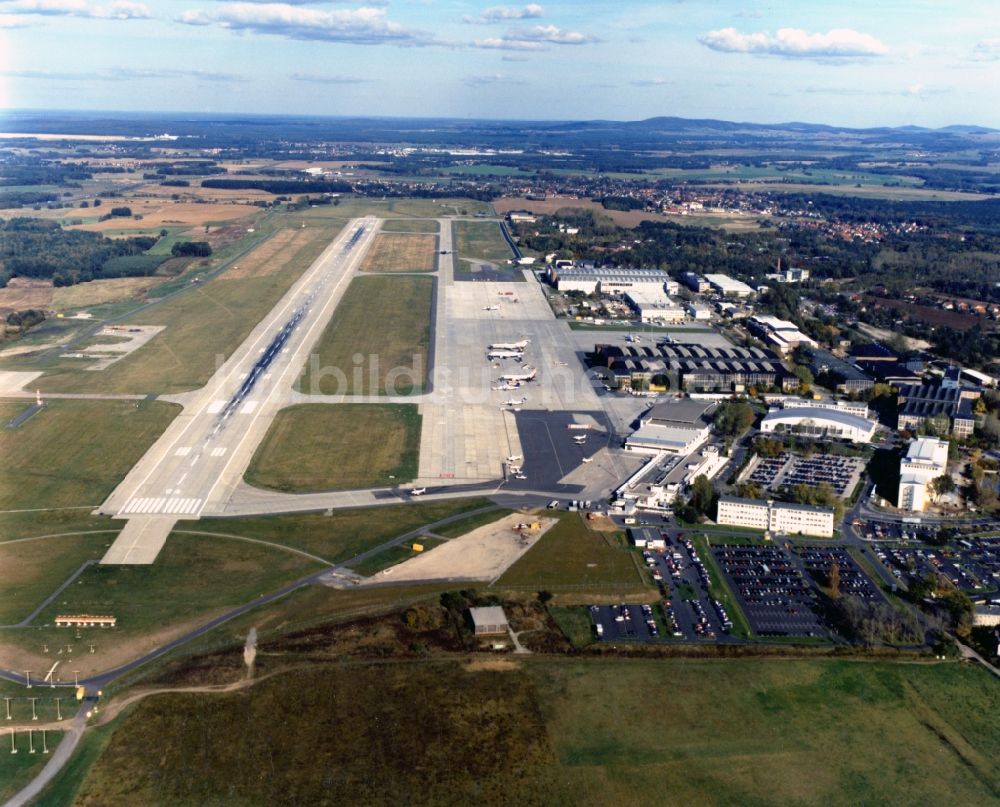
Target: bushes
187, 249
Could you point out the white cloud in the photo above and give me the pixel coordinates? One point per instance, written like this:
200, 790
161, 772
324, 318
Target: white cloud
10, 21
124, 73
538, 37
504, 13
496, 78
117, 10
838, 43
987, 50
650, 82
322, 79
362, 26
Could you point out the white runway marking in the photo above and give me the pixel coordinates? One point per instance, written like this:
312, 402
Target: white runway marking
154, 506
218, 452
215, 407
248, 407
183, 451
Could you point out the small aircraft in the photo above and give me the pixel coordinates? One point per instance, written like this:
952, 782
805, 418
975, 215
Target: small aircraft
588, 459
580, 439
515, 402
418, 491
514, 458
520, 476
491, 308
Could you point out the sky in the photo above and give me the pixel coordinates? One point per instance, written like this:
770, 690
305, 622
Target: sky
884, 63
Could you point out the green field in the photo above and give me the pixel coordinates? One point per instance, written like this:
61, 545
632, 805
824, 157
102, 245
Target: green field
340, 536
480, 240
464, 525
17, 770
74, 452
553, 731
34, 569
571, 557
205, 322
410, 226
377, 342
393, 209
393, 555
335, 447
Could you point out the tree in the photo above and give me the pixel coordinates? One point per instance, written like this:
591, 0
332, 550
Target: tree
943, 485
833, 579
805, 376
702, 496
734, 417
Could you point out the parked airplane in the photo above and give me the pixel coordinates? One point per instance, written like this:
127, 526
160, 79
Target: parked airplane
515, 402
418, 491
528, 375
520, 476
588, 459
491, 308
514, 458
580, 439
504, 354
511, 345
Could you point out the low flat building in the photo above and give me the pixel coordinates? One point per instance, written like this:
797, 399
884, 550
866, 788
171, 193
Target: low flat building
676, 427
696, 283
86, 621
783, 335
610, 280
698, 313
655, 307
926, 459
488, 621
777, 517
837, 374
727, 286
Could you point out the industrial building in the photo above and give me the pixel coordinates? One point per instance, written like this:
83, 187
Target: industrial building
777, 517
488, 621
676, 427
727, 286
696, 283
699, 312
654, 307
595, 280
837, 374
692, 367
782, 334
840, 423
926, 459
919, 403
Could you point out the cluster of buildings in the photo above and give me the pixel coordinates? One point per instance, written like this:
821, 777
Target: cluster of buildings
921, 403
692, 367
586, 279
782, 335
674, 427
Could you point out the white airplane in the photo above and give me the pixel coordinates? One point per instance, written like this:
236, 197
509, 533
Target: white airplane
514, 458
520, 476
505, 354
588, 459
580, 439
491, 308
510, 345
418, 491
515, 402
528, 375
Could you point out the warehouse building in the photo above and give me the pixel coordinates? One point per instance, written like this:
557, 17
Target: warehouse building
837, 374
655, 307
727, 286
782, 334
926, 459
777, 517
611, 281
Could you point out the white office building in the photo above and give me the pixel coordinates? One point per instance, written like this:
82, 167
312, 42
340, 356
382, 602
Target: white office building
727, 286
776, 517
655, 307
926, 459
812, 421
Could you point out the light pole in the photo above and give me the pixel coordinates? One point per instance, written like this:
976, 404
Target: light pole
45, 745
7, 702
34, 715
58, 710
13, 747
27, 678
31, 741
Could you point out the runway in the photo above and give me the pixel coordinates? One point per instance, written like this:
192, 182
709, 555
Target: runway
197, 463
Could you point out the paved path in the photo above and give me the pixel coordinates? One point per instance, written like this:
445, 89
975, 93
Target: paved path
71, 738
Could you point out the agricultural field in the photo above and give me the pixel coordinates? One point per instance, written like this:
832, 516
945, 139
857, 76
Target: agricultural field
315, 447
571, 558
205, 322
394, 344
480, 240
74, 452
157, 213
549, 207
399, 208
568, 732
397, 252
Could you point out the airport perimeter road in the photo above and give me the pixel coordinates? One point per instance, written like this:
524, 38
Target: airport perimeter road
197, 463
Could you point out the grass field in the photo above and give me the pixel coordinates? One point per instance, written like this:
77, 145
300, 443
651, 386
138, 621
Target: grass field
340, 536
480, 240
34, 569
465, 525
411, 226
16, 770
393, 209
393, 555
30, 523
74, 452
203, 323
550, 731
392, 344
401, 252
334, 447
570, 557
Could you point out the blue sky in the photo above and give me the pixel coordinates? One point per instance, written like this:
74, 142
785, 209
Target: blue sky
856, 64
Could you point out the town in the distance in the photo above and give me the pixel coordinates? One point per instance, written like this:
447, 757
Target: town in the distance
369, 461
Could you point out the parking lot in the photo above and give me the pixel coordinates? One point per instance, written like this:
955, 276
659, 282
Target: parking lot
818, 561
772, 589
625, 622
788, 470
972, 565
